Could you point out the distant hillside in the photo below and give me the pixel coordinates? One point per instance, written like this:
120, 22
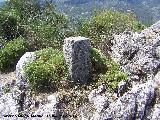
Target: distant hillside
147, 11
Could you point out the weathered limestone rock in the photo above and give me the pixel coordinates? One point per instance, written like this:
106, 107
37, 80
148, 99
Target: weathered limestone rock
94, 93
24, 60
132, 105
123, 109
138, 53
49, 110
156, 113
22, 83
8, 106
100, 102
158, 51
77, 56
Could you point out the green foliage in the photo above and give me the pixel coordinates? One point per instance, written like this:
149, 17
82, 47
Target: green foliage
47, 71
112, 78
2, 42
107, 70
6, 90
11, 53
48, 30
106, 24
10, 28
38, 23
99, 62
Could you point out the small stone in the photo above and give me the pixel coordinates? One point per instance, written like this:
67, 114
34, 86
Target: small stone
122, 87
92, 95
52, 98
135, 78
101, 89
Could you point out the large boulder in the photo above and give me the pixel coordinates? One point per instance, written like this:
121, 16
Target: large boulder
138, 53
24, 60
22, 84
77, 56
132, 105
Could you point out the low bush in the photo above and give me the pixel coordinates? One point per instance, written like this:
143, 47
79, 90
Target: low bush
2, 43
11, 53
112, 77
47, 71
99, 62
106, 70
102, 26
9, 24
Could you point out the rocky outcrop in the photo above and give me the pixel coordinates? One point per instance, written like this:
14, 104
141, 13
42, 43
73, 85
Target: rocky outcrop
77, 56
22, 83
24, 60
138, 53
132, 105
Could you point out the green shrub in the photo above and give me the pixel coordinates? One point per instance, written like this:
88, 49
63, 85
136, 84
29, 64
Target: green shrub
6, 89
9, 24
103, 25
47, 71
107, 70
112, 78
39, 24
2, 43
11, 53
99, 62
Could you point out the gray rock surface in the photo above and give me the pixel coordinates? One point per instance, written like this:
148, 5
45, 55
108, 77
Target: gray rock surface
156, 113
137, 53
49, 110
158, 51
24, 60
77, 56
99, 101
21, 83
8, 106
132, 105
94, 93
157, 79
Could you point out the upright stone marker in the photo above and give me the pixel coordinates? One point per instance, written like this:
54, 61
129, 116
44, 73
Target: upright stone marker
77, 55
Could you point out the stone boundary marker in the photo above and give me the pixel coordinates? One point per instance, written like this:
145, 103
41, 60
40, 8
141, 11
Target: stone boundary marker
77, 55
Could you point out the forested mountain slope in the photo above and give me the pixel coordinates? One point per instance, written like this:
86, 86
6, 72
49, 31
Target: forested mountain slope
148, 11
